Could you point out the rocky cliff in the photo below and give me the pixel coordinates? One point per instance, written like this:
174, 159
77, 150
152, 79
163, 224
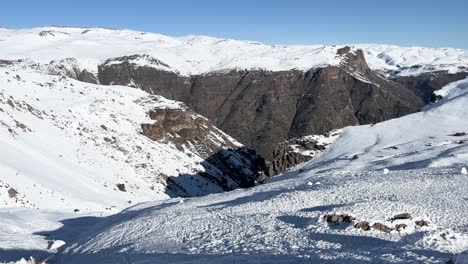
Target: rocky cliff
295, 151
263, 108
226, 162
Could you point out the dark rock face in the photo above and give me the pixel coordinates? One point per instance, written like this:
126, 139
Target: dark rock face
295, 151
226, 164
122, 71
425, 84
263, 108
86, 76
68, 67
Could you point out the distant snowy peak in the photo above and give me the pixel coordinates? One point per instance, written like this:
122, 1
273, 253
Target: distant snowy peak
193, 54
138, 60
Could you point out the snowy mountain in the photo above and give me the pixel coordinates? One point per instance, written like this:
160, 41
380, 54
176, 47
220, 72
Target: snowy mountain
284, 88
393, 192
190, 55
107, 137
69, 145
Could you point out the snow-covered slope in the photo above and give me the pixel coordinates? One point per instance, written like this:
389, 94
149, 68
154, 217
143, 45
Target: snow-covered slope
409, 165
200, 54
431, 138
69, 145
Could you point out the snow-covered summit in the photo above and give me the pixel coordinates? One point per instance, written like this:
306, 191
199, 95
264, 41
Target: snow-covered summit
200, 54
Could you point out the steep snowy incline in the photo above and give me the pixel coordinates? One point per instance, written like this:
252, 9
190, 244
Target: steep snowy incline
69, 145
200, 54
437, 136
413, 211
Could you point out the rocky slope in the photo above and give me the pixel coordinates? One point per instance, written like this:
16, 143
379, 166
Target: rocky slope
403, 200
263, 108
226, 163
298, 150
259, 94
67, 144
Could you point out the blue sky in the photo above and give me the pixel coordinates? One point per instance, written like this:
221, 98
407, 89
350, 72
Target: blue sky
410, 22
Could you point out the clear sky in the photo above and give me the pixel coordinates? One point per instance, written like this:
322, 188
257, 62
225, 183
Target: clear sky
433, 23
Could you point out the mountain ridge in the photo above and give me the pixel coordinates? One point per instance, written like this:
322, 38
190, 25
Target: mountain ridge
211, 54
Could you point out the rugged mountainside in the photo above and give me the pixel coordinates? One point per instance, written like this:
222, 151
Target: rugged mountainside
299, 150
402, 200
425, 84
75, 141
259, 94
263, 108
66, 144
226, 163
267, 97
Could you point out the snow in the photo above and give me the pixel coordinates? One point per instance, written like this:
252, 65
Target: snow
65, 145
453, 90
419, 140
406, 165
322, 140
190, 55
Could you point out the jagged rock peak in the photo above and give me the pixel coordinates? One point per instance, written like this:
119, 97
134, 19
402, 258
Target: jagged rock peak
353, 59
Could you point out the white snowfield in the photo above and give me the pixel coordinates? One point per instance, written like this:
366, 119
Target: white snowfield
191, 55
68, 145
408, 165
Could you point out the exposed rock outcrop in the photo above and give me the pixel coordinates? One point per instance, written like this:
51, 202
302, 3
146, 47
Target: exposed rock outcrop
364, 225
338, 218
425, 84
70, 68
263, 108
227, 163
298, 150
382, 227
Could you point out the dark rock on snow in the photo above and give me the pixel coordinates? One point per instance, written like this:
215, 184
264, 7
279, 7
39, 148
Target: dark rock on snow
336, 218
382, 227
421, 223
364, 225
402, 216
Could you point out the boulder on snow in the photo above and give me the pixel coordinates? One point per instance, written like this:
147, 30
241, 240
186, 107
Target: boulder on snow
459, 134
382, 227
336, 218
399, 227
401, 216
364, 225
421, 223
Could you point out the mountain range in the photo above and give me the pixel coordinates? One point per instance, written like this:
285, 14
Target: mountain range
275, 137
